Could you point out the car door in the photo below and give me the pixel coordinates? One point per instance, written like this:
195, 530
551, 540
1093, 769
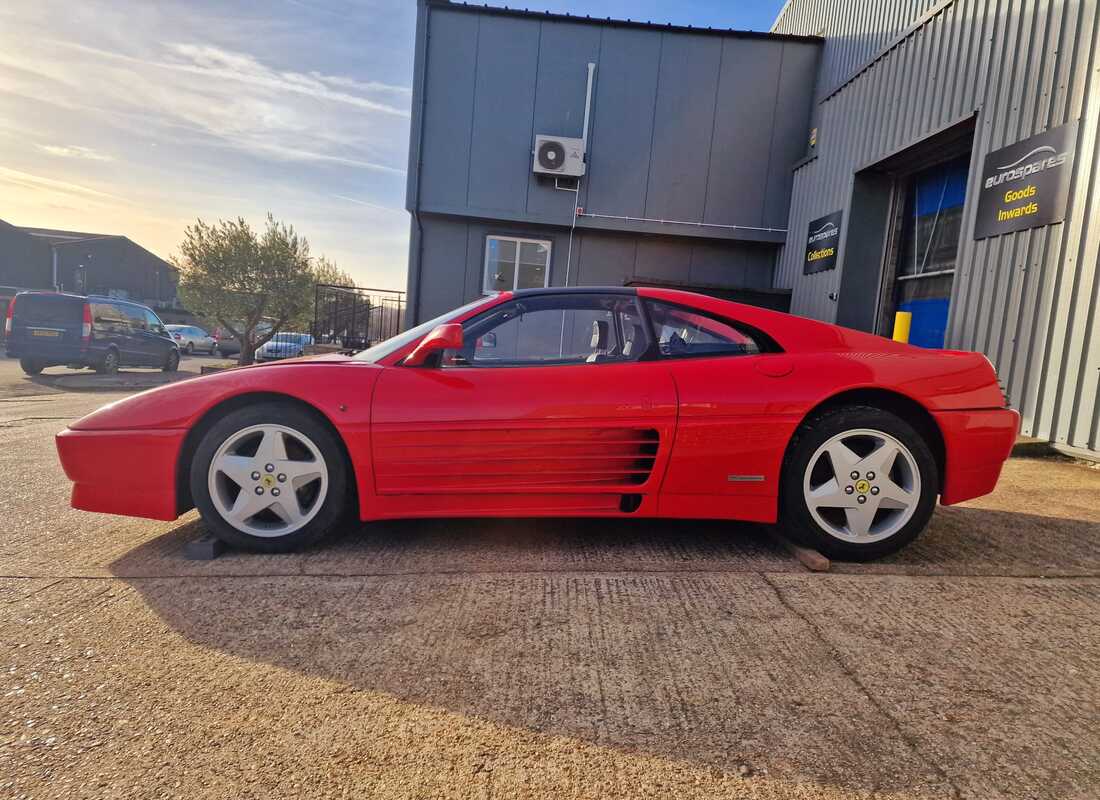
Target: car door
153, 341
203, 340
550, 407
734, 418
131, 340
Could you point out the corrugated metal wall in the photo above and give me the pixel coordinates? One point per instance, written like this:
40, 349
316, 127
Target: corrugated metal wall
1028, 300
853, 31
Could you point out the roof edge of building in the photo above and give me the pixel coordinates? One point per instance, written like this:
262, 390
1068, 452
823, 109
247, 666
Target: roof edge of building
508, 11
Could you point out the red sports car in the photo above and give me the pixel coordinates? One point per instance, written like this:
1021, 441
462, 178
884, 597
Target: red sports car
584, 402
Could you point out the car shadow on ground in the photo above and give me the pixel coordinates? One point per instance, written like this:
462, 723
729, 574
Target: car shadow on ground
683, 640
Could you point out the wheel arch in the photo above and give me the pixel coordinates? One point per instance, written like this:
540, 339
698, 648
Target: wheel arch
896, 403
184, 500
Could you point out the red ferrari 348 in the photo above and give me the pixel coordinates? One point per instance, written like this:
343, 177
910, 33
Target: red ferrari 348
584, 402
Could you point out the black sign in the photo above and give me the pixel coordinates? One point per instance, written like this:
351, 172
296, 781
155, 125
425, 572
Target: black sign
822, 242
1026, 185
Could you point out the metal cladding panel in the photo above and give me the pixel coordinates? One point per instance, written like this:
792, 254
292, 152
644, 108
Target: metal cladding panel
562, 78
488, 81
1029, 299
504, 105
622, 122
747, 90
854, 31
446, 106
684, 128
598, 259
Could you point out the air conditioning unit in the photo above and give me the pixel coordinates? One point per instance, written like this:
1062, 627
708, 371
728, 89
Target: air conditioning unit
558, 155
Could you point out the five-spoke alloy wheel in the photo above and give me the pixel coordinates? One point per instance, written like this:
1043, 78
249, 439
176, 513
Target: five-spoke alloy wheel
270, 477
858, 483
268, 480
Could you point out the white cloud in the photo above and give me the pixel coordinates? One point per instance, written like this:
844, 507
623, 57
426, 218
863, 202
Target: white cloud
74, 151
215, 63
26, 180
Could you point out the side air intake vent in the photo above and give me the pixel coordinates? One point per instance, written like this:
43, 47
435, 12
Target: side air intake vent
516, 460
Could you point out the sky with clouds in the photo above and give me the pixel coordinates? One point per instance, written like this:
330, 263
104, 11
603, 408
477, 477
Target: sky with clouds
135, 117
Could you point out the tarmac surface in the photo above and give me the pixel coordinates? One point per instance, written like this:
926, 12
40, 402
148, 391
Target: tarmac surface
550, 658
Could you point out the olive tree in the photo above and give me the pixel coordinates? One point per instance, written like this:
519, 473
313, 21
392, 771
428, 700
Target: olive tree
231, 274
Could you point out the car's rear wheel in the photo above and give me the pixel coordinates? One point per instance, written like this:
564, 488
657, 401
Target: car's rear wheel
109, 364
172, 361
30, 366
269, 477
858, 483
189, 348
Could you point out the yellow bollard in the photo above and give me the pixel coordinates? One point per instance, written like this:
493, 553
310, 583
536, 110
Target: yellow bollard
902, 321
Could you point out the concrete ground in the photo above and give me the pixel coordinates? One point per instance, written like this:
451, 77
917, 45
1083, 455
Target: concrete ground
554, 658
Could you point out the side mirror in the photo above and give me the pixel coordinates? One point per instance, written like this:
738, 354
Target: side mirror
442, 337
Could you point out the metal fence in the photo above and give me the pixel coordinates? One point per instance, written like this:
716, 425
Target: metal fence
355, 318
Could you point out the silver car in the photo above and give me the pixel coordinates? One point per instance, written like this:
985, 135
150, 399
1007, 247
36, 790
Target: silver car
285, 344
192, 339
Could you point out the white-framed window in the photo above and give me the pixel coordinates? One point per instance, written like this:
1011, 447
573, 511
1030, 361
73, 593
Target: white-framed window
512, 263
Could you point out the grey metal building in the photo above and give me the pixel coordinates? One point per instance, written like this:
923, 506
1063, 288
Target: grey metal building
687, 180
933, 162
928, 94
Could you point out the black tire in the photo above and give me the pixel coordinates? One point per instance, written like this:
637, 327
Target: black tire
189, 348
171, 361
333, 508
795, 517
109, 364
30, 366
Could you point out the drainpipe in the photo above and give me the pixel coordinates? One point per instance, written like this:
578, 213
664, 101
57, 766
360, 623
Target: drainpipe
53, 252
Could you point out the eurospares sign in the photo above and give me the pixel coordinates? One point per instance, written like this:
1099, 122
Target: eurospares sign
822, 242
1026, 185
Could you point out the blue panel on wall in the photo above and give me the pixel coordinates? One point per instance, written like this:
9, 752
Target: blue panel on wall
929, 321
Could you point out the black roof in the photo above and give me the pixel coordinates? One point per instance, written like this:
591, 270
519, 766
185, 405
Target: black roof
575, 290
619, 23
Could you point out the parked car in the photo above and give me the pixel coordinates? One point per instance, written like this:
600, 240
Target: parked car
192, 338
613, 402
285, 344
230, 345
46, 329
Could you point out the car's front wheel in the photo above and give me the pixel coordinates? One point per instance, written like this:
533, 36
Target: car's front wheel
171, 361
270, 477
858, 483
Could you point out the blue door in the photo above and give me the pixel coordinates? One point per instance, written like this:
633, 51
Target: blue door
929, 246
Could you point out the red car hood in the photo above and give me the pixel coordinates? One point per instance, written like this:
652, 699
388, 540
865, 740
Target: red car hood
313, 379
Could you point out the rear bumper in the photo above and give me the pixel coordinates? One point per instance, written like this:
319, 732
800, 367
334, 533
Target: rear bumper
976, 445
130, 472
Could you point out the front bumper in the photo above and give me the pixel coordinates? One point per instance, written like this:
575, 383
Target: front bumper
976, 445
131, 472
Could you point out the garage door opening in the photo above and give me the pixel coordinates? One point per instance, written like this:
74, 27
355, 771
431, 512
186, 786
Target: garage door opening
924, 267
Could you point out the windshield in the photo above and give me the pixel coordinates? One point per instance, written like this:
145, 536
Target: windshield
383, 349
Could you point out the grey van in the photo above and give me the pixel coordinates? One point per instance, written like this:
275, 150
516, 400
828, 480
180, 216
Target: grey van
46, 329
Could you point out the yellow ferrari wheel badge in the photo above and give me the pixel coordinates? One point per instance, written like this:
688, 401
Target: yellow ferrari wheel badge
268, 481
863, 487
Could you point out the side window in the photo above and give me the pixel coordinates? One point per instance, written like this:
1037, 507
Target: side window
684, 332
152, 321
512, 263
106, 316
548, 330
133, 319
